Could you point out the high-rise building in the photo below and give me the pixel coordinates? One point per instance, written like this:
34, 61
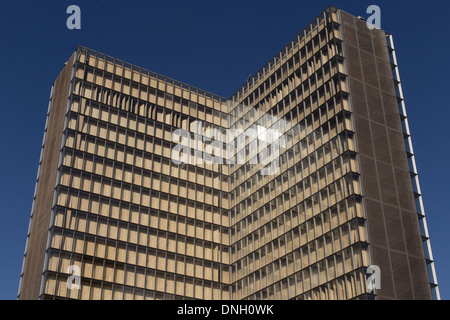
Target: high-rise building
301, 185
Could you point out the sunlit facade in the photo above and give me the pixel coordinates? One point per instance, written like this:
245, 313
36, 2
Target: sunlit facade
111, 201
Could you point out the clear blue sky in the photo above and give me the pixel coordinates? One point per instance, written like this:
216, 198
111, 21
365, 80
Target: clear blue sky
213, 45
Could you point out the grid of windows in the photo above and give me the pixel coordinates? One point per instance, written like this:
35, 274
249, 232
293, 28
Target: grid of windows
300, 234
137, 225
141, 227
